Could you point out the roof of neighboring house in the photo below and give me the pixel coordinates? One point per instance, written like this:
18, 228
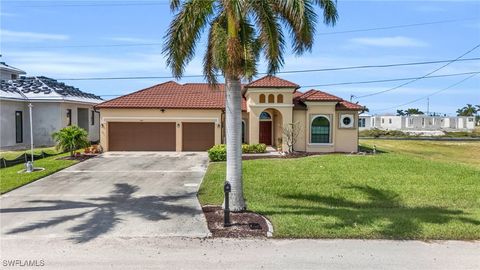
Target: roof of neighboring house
4, 66
173, 95
270, 81
43, 88
313, 95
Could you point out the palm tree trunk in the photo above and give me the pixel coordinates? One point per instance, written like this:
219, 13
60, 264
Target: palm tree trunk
233, 119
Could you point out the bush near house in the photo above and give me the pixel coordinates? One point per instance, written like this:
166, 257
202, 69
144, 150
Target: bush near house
376, 133
219, 151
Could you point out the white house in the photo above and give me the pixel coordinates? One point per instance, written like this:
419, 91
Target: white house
417, 122
55, 105
10, 73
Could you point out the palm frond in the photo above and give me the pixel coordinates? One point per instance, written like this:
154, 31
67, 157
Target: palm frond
330, 14
184, 33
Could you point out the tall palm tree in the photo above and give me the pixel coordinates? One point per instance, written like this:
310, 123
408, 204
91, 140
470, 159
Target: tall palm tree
239, 31
468, 110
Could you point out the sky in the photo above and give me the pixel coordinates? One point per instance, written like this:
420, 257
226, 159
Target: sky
68, 40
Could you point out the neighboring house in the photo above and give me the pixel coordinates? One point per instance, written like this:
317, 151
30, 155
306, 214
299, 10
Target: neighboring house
365, 121
55, 105
418, 122
10, 73
190, 117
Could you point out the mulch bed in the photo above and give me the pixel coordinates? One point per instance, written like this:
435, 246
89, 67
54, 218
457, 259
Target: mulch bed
244, 224
82, 157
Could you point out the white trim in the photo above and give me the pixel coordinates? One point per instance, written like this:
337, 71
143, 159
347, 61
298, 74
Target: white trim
321, 144
271, 105
270, 90
91, 103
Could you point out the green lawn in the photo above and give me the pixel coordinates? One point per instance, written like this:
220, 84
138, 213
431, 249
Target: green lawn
11, 179
390, 196
455, 152
14, 154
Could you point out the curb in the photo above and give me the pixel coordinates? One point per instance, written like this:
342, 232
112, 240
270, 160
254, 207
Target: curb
270, 227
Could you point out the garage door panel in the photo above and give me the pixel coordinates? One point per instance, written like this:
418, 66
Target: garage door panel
198, 136
141, 136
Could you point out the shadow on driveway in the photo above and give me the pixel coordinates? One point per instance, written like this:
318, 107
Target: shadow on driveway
104, 213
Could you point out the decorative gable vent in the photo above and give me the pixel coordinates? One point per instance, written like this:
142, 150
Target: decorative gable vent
347, 121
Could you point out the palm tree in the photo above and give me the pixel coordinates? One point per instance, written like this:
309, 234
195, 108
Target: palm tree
71, 138
239, 30
468, 110
413, 111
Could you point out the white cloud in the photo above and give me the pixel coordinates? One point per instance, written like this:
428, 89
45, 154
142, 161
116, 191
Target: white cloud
8, 35
398, 41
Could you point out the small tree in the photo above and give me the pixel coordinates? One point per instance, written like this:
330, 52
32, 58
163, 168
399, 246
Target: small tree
291, 133
71, 138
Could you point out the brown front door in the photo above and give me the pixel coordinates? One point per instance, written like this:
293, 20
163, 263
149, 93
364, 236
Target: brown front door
198, 136
266, 132
141, 136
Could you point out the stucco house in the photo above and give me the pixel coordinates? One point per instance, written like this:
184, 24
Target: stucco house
190, 117
10, 73
55, 105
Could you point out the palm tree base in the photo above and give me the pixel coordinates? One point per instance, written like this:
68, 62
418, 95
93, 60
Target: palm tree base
237, 202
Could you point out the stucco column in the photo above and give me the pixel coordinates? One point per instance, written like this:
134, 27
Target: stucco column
178, 136
253, 127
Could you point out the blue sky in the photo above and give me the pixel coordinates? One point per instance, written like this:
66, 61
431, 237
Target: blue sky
35, 36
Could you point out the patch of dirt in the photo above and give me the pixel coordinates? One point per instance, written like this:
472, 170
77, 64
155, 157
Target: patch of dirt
81, 157
243, 224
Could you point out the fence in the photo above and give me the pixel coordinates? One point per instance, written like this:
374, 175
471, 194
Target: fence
23, 158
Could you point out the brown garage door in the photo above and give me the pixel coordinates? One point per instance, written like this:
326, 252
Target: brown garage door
198, 136
125, 136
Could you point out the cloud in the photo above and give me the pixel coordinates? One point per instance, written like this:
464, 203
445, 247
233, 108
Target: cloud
397, 41
13, 36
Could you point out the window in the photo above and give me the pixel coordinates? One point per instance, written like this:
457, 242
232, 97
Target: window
280, 98
262, 98
470, 119
14, 76
265, 116
383, 121
19, 126
69, 117
92, 118
361, 122
271, 98
423, 121
389, 120
243, 132
320, 130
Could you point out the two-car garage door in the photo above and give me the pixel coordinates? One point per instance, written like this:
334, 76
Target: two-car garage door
159, 136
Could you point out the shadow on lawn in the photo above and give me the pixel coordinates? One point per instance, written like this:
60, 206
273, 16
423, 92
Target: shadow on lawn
103, 212
401, 222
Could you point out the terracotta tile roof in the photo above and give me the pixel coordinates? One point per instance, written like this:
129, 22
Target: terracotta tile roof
345, 105
272, 81
173, 95
316, 95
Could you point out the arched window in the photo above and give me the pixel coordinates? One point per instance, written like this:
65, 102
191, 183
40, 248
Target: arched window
265, 116
271, 98
262, 98
280, 98
320, 130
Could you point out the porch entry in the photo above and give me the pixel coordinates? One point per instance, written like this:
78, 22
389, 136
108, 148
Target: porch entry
265, 128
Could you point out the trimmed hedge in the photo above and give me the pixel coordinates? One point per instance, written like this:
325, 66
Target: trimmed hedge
219, 151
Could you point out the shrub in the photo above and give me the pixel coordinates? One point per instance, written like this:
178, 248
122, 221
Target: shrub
71, 138
376, 133
219, 151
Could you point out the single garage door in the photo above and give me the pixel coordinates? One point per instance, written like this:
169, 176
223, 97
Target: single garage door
198, 136
141, 136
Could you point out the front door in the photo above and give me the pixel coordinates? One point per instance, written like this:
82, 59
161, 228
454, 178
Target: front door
266, 132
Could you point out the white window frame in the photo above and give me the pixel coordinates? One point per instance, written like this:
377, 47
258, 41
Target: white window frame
330, 137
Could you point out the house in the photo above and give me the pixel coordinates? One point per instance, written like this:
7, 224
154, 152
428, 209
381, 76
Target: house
55, 105
191, 117
10, 73
418, 122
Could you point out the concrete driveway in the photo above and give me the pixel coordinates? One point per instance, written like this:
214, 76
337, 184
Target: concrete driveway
118, 194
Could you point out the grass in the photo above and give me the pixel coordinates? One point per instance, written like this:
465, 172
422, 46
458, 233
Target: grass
454, 152
11, 179
395, 195
14, 154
